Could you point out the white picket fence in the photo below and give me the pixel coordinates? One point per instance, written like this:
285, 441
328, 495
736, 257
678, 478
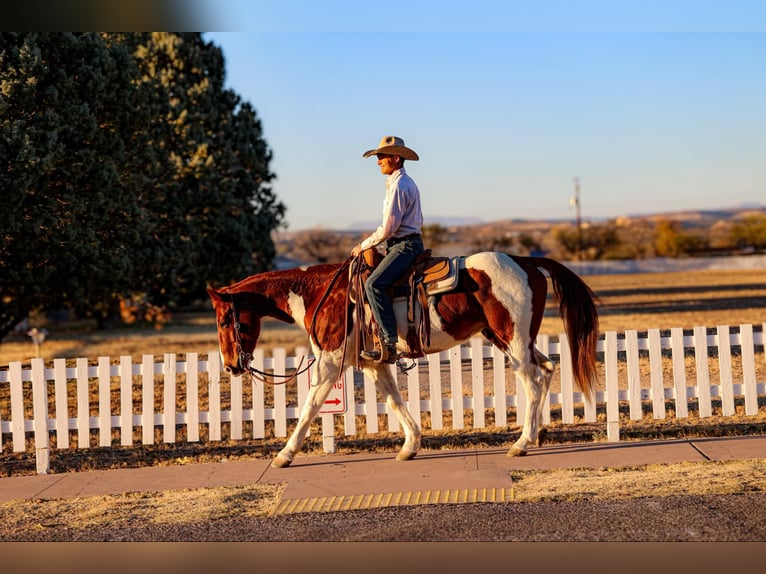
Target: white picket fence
468, 382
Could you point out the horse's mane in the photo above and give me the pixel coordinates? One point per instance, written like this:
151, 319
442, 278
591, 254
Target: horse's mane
267, 291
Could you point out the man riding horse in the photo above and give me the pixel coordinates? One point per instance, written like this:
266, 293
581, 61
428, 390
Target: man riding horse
400, 230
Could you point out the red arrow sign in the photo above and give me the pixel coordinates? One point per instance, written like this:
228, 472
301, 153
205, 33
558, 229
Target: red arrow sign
333, 402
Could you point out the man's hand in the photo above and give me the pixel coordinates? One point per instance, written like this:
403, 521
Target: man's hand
356, 250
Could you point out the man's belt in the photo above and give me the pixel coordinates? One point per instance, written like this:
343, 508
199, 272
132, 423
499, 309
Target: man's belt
395, 240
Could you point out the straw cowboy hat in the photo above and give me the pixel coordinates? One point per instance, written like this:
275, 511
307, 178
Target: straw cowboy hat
393, 145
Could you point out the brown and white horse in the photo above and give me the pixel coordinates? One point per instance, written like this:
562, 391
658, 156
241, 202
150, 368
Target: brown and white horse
500, 296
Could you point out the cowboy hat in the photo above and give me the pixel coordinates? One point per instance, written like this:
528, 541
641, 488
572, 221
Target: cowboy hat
392, 145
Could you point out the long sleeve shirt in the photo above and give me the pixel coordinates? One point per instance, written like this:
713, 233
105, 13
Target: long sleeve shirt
402, 213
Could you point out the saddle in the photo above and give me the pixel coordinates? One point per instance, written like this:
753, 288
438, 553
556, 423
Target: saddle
426, 277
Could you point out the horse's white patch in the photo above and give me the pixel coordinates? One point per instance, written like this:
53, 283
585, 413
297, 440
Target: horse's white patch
510, 286
297, 307
440, 339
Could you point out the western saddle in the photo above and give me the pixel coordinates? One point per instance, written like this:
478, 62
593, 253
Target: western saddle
426, 277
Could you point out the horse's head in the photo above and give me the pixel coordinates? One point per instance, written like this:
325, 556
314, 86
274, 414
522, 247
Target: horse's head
239, 326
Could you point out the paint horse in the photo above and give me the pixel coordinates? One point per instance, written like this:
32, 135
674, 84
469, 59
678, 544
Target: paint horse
501, 296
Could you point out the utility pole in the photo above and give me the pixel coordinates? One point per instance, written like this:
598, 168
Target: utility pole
576, 202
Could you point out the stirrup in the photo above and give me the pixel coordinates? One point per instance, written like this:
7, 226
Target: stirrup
386, 355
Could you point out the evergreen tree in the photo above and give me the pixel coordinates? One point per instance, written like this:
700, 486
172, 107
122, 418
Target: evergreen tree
126, 168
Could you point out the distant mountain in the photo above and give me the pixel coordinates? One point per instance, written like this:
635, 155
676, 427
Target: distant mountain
691, 216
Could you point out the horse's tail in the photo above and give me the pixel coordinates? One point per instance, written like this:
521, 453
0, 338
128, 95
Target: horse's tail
577, 308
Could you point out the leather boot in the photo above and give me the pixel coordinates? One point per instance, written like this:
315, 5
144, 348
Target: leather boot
385, 355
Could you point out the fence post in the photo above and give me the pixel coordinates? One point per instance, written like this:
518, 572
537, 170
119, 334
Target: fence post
747, 343
40, 412
477, 382
703, 371
612, 390
724, 371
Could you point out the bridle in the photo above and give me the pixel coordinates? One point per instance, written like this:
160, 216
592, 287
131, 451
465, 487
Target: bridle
245, 359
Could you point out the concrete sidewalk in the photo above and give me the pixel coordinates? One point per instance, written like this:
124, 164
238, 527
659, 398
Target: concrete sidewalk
338, 482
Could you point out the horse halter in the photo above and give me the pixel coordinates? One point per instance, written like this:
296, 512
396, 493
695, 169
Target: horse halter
246, 358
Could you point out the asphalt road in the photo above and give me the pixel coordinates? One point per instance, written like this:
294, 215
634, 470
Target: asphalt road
712, 518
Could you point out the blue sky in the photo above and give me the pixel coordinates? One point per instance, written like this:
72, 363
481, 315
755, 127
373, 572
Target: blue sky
650, 114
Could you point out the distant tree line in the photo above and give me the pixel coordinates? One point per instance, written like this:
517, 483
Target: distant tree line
639, 238
127, 170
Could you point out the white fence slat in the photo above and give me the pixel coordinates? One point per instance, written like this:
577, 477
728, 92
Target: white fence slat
655, 370
498, 378
679, 371
370, 405
477, 382
83, 403
214, 395
192, 397
634, 374
62, 403
435, 390
393, 422
543, 343
328, 432
104, 402
456, 386
748, 368
235, 390
40, 413
259, 414
612, 388
280, 398
703, 372
17, 407
169, 373
126, 401
567, 381
724, 370
147, 399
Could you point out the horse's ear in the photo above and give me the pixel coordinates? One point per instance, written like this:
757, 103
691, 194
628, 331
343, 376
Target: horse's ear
213, 293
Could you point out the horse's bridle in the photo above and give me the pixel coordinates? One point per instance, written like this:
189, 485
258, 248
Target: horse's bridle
245, 359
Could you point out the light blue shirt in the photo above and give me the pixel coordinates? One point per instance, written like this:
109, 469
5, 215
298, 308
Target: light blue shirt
402, 214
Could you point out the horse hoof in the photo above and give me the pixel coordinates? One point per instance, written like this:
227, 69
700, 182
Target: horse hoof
406, 455
516, 451
281, 461
541, 436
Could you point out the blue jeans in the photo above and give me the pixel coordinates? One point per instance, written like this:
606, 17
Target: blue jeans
396, 262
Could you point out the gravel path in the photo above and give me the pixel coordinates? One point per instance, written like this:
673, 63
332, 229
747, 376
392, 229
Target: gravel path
710, 518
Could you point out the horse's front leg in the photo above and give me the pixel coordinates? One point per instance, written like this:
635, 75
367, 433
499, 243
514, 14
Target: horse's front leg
325, 376
386, 384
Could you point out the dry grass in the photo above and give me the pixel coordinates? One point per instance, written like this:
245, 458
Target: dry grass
140, 508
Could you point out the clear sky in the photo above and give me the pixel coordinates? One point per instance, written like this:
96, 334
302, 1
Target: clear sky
654, 106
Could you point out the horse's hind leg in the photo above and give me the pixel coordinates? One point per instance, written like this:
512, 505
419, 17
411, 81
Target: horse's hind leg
546, 369
386, 384
536, 379
325, 375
